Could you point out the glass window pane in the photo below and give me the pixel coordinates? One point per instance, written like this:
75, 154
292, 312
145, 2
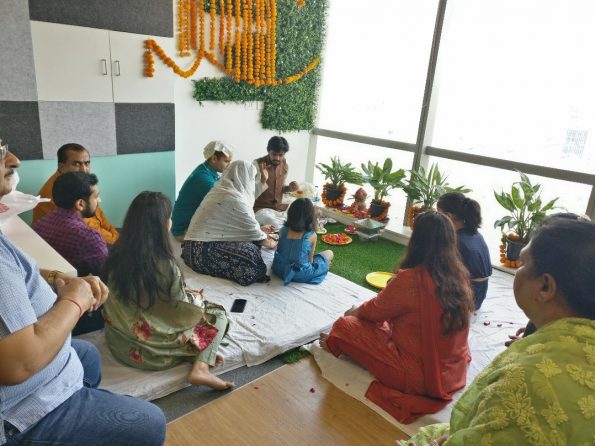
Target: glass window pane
515, 81
573, 197
356, 154
375, 66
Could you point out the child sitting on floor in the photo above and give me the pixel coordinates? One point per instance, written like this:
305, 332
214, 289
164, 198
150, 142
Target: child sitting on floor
295, 259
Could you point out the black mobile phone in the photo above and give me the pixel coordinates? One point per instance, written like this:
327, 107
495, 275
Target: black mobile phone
238, 306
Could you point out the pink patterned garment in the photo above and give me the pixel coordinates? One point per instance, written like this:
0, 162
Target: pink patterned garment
142, 330
203, 335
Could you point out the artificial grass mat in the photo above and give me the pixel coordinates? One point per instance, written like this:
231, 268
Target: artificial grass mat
356, 260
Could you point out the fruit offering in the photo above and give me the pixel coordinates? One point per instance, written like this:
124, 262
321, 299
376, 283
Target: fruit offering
336, 239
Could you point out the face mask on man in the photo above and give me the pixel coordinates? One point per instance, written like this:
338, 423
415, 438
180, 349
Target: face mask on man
17, 202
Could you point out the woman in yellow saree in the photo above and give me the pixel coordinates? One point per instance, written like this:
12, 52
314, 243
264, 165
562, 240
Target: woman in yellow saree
541, 390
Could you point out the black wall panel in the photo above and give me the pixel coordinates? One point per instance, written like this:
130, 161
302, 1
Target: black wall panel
152, 17
19, 128
144, 128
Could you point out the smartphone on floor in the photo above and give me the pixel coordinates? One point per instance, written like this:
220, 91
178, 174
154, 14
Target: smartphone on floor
238, 306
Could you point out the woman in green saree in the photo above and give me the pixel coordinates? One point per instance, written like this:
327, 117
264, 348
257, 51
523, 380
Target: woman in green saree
152, 321
541, 390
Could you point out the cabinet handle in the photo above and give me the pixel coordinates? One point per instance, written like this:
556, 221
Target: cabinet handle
117, 65
104, 63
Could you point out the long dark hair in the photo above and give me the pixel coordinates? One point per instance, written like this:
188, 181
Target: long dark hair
433, 244
301, 216
565, 248
464, 208
133, 264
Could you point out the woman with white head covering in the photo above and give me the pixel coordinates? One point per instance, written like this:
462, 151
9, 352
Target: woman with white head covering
224, 238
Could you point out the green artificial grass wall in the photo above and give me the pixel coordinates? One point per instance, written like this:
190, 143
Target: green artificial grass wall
359, 258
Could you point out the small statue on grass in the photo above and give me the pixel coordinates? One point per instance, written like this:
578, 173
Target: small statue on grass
359, 208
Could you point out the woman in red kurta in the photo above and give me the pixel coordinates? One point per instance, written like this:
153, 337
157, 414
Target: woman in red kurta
413, 335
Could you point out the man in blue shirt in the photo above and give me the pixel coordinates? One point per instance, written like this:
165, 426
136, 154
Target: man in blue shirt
218, 155
48, 382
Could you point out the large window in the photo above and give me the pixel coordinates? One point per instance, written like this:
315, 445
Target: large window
514, 84
375, 66
515, 80
572, 197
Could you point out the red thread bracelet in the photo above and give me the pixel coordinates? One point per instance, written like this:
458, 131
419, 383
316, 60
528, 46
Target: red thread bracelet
77, 304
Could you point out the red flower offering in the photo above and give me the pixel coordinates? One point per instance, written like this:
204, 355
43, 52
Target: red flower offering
336, 239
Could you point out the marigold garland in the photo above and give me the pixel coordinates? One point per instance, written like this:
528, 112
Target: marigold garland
201, 24
193, 37
247, 55
412, 212
338, 202
212, 16
221, 26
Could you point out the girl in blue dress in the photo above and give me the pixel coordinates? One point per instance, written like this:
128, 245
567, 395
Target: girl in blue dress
295, 260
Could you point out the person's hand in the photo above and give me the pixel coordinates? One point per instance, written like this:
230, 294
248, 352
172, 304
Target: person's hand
269, 243
264, 173
513, 338
98, 288
76, 289
267, 229
293, 186
351, 312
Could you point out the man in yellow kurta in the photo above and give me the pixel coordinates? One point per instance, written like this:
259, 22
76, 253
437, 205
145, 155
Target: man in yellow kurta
75, 158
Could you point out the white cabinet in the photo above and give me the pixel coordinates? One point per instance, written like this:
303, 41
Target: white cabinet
129, 84
74, 63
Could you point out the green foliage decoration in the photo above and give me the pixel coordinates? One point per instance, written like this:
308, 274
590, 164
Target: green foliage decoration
427, 187
286, 107
382, 179
525, 208
338, 173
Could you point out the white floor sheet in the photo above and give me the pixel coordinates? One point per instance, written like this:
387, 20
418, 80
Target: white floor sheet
277, 318
490, 327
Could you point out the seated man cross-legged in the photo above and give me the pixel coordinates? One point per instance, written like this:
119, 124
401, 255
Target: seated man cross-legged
218, 156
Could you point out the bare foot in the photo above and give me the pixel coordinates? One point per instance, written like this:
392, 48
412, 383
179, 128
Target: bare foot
201, 376
219, 360
322, 339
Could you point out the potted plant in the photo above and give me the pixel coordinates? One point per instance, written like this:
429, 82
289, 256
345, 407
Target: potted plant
425, 188
337, 174
382, 179
525, 212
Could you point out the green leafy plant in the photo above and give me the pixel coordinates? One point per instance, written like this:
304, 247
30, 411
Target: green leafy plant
382, 179
338, 173
525, 207
300, 36
427, 187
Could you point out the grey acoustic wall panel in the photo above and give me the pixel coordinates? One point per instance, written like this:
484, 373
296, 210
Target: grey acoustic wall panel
17, 71
142, 128
19, 128
154, 17
91, 124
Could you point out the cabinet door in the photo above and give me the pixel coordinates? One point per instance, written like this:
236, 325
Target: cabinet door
130, 85
72, 63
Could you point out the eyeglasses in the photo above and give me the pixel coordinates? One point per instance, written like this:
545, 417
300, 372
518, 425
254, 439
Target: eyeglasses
3, 151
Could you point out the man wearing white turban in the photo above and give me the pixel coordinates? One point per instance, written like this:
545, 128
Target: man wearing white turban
218, 156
